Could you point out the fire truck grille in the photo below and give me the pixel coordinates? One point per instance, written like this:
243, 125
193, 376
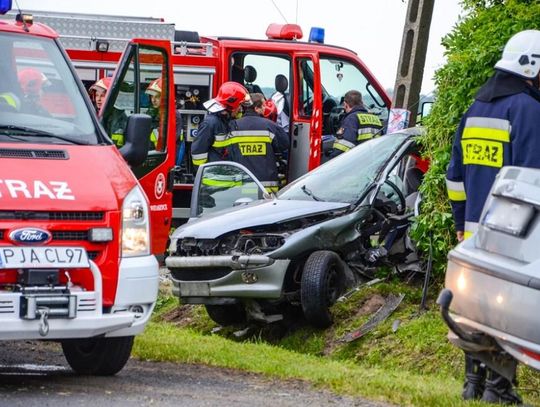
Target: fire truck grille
53, 216
25, 153
70, 235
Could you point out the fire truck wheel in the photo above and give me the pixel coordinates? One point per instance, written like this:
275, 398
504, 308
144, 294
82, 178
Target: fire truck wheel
322, 283
225, 315
98, 356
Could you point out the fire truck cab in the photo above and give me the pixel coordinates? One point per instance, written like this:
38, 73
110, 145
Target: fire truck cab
307, 79
77, 260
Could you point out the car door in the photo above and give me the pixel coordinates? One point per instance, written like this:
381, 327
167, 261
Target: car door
222, 185
306, 123
142, 64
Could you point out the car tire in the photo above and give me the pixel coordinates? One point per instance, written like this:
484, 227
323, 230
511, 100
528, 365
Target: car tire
226, 315
98, 356
322, 284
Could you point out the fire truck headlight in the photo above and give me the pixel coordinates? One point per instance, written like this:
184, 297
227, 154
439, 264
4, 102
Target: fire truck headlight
135, 225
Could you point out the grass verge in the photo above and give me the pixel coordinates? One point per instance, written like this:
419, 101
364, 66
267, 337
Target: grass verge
413, 365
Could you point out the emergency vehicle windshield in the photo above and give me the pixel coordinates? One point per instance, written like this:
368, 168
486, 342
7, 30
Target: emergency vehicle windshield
40, 101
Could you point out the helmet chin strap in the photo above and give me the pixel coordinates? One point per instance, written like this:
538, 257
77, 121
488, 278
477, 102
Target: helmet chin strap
536, 81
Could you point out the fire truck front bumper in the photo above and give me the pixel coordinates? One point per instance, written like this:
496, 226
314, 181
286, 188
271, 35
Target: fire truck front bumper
56, 313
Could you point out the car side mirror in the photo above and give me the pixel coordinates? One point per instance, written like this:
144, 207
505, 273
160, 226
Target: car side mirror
136, 139
417, 204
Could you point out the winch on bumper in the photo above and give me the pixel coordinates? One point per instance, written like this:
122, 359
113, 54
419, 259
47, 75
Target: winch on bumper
62, 312
220, 279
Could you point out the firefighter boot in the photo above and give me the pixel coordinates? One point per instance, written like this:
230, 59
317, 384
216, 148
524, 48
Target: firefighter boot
475, 376
499, 390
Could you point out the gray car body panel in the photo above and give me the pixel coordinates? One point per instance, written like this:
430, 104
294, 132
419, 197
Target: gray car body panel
494, 276
258, 213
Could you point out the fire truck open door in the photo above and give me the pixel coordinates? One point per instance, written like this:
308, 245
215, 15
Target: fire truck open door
306, 123
143, 83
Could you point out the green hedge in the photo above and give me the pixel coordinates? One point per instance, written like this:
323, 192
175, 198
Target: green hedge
472, 48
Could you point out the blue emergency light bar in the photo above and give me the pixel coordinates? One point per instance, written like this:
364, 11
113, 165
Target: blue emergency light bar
316, 34
5, 6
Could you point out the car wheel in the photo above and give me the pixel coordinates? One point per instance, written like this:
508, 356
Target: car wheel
98, 356
322, 284
225, 315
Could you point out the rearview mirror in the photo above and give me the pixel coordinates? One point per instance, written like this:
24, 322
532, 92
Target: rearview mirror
136, 139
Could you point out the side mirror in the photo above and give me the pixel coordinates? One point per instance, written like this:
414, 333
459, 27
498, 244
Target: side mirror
136, 139
417, 204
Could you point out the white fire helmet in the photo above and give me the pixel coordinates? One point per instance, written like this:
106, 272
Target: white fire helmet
521, 55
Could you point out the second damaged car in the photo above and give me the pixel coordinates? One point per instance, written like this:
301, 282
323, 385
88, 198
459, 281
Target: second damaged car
249, 255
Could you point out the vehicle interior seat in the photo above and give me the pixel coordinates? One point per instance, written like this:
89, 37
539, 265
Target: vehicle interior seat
281, 85
413, 179
250, 76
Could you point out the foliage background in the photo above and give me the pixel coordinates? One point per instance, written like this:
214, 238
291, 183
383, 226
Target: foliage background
472, 48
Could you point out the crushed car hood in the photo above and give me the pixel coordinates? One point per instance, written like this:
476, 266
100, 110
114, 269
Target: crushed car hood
255, 214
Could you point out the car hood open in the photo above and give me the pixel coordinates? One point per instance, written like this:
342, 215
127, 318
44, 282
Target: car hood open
258, 213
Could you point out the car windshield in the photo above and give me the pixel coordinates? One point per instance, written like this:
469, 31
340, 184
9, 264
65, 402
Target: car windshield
40, 101
347, 177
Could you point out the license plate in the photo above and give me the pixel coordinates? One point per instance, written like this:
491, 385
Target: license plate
43, 257
194, 289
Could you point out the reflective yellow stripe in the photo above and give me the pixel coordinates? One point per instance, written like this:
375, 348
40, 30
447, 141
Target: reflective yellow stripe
271, 189
467, 234
365, 136
10, 100
220, 183
457, 195
244, 139
199, 162
341, 147
486, 134
118, 139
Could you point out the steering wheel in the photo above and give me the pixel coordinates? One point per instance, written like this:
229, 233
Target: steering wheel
395, 196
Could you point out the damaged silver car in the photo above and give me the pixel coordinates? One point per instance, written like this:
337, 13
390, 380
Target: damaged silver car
248, 255
492, 280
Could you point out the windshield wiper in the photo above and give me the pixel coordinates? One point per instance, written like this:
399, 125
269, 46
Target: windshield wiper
8, 129
309, 193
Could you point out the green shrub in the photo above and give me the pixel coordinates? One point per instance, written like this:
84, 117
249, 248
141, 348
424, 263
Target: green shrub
472, 49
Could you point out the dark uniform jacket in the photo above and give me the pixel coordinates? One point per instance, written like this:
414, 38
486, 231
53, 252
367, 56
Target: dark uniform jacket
210, 143
500, 128
357, 126
254, 142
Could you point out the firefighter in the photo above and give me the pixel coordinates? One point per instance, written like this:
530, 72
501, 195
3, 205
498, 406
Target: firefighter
115, 120
98, 91
154, 90
500, 128
255, 140
357, 126
32, 82
212, 136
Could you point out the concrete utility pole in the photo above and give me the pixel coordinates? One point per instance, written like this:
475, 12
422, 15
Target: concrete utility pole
413, 56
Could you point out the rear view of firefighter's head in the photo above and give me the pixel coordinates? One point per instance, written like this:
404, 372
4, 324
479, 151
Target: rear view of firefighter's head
231, 97
99, 90
521, 55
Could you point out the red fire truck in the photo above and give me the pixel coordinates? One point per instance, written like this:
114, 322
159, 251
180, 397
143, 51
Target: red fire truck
77, 229
311, 76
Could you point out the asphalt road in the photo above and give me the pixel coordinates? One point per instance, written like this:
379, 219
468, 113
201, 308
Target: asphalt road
36, 374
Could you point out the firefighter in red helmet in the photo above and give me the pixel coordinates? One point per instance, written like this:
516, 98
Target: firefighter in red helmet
213, 133
32, 82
